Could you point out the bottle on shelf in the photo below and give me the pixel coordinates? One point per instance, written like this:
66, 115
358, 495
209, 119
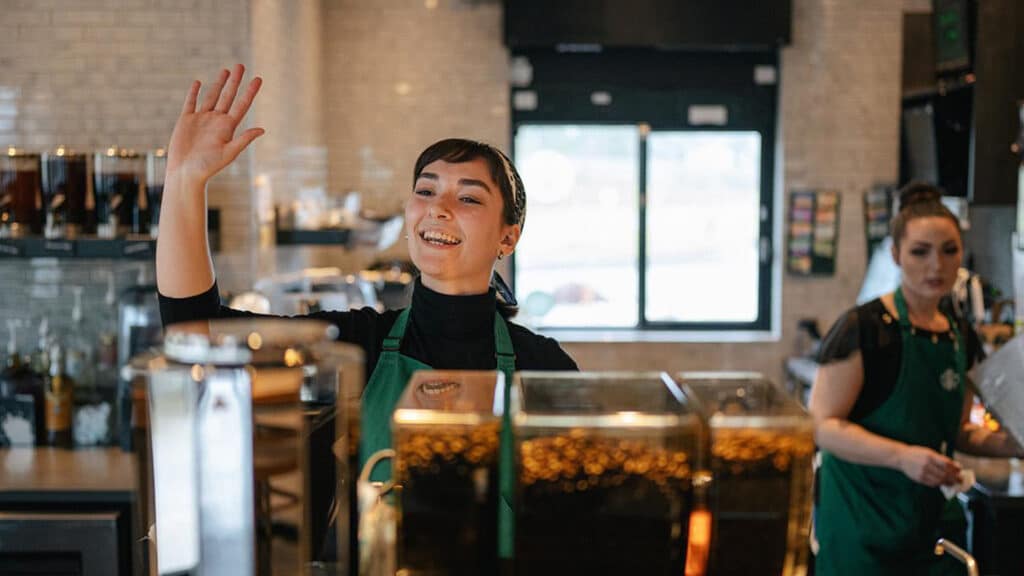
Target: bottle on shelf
92, 408
21, 397
59, 393
39, 361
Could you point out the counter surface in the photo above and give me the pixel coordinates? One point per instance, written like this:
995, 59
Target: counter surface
44, 469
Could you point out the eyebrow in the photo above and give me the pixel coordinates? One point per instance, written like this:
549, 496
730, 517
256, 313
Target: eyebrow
462, 181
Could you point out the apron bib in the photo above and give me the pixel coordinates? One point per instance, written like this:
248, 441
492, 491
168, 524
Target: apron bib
386, 384
875, 520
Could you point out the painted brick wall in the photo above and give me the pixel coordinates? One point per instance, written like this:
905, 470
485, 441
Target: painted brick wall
840, 97
93, 73
399, 74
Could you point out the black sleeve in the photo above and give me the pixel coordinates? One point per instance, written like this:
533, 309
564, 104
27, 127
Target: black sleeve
536, 352
975, 350
199, 307
555, 357
842, 340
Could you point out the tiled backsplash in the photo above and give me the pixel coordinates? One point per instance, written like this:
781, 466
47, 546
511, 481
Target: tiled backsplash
41, 288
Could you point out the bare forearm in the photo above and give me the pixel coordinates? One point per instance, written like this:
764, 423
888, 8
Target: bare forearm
853, 443
981, 441
183, 264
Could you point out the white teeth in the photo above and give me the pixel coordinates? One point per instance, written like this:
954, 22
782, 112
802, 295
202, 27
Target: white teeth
439, 237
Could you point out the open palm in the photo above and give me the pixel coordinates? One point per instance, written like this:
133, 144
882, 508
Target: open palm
204, 139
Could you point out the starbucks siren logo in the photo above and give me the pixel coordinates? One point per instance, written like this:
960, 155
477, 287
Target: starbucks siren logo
949, 380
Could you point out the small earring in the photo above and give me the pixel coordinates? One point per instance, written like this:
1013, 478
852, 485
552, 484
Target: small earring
501, 255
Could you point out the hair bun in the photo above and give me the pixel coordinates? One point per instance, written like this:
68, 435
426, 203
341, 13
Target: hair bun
919, 193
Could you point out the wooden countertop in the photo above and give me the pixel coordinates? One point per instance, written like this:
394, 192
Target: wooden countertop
44, 469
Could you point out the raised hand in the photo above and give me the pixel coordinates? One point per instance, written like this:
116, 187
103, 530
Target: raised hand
204, 139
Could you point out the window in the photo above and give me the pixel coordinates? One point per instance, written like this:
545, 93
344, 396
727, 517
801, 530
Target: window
638, 219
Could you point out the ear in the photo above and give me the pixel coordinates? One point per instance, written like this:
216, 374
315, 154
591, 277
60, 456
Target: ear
895, 254
510, 238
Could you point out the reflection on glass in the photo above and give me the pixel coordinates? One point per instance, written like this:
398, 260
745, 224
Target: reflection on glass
576, 266
703, 221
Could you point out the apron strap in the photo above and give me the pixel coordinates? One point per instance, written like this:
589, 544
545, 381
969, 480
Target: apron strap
506, 469
901, 308
503, 348
958, 341
393, 341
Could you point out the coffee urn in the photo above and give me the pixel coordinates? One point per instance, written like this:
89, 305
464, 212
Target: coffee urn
231, 413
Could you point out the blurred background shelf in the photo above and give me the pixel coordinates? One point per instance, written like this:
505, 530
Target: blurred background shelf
114, 248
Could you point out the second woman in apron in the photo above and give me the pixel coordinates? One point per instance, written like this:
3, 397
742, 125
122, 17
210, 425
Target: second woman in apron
891, 405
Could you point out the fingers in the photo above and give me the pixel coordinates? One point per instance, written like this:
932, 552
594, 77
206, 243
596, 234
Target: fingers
241, 106
235, 147
190, 100
227, 96
211, 97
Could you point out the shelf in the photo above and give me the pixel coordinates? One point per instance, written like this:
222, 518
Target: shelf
332, 237
132, 248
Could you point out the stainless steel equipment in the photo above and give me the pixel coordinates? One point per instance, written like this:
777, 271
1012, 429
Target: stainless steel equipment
762, 445
236, 412
1000, 382
314, 289
605, 475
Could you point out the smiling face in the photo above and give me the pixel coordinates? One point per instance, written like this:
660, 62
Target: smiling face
456, 228
929, 256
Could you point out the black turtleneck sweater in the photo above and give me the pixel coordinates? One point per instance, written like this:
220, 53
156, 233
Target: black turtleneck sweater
444, 332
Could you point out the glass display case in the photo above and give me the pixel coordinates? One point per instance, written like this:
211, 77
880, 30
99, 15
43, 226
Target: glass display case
606, 464
446, 431
762, 446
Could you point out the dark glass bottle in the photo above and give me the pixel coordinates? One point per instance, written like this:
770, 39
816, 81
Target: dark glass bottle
59, 391
20, 385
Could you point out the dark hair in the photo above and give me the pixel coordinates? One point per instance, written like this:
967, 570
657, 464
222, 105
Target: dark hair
504, 174
919, 200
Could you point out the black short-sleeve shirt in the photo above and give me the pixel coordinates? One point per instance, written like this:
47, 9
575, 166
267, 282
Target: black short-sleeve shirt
876, 333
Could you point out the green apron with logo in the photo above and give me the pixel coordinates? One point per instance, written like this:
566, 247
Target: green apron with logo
386, 385
874, 520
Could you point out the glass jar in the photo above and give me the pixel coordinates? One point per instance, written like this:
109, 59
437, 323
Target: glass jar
65, 178
762, 447
118, 176
20, 200
156, 169
446, 429
606, 470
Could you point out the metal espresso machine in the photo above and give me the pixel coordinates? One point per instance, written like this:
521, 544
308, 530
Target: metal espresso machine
247, 434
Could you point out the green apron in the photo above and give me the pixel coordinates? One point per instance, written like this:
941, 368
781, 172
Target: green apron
874, 520
386, 385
